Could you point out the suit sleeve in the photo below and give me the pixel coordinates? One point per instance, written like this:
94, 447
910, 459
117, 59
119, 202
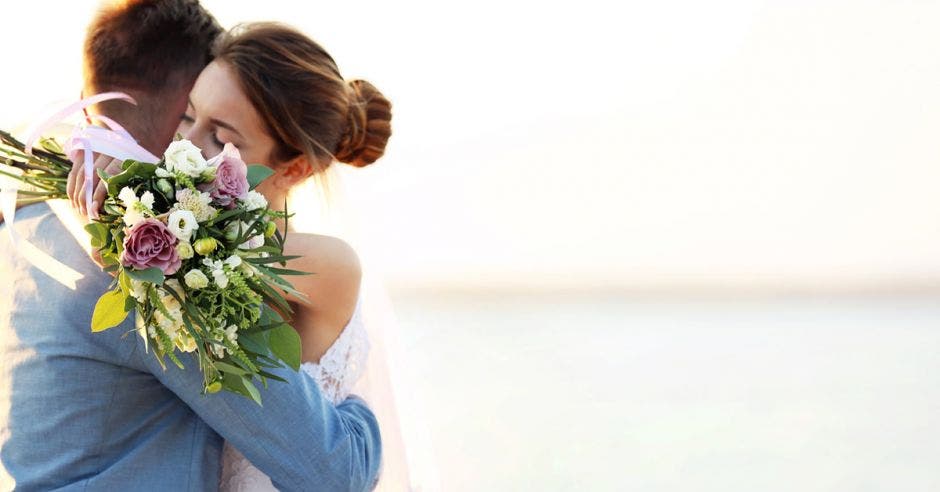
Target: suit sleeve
297, 438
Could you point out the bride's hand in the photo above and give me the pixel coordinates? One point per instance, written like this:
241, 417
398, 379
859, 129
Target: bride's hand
76, 184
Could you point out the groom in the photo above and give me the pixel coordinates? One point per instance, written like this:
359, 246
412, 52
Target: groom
84, 411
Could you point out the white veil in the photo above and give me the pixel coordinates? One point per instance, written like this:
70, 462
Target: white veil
387, 384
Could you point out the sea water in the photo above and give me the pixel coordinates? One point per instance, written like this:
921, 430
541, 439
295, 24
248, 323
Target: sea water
608, 392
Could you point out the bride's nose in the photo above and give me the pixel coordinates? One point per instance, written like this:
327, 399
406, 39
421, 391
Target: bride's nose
199, 139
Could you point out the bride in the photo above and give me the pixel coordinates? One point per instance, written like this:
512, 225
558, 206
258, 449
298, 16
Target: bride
279, 98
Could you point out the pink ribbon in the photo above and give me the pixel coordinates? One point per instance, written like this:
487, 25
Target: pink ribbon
85, 141
113, 141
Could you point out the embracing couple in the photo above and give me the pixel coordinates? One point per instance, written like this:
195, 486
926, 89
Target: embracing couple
95, 411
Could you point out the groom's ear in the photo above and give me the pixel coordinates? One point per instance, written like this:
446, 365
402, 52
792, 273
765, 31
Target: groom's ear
291, 172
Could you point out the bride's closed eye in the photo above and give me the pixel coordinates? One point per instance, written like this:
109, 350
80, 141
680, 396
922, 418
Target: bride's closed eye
186, 121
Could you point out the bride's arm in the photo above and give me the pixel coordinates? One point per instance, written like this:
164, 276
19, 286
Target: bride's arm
331, 289
299, 439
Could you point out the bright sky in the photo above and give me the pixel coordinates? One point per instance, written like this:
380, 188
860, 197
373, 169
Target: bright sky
661, 142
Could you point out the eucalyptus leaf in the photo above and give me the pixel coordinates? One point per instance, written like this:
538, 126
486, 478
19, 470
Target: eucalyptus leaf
152, 275
258, 173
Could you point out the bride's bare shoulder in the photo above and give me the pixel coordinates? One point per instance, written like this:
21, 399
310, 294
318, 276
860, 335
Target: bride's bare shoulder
333, 263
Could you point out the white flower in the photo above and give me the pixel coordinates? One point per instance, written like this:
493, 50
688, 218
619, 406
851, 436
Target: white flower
254, 201
195, 279
169, 301
220, 278
175, 285
147, 200
163, 173
184, 157
253, 242
185, 342
137, 208
139, 290
182, 223
231, 333
233, 261
218, 272
185, 250
196, 202
127, 196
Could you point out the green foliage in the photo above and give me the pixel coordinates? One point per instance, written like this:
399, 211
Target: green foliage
133, 172
151, 275
109, 311
285, 345
252, 302
258, 173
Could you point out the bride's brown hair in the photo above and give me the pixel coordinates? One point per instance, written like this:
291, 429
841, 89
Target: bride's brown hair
306, 104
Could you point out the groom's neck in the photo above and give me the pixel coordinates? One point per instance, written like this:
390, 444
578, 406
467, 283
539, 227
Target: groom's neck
152, 121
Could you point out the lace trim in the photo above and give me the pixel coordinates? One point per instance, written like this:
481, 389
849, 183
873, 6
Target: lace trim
343, 363
336, 374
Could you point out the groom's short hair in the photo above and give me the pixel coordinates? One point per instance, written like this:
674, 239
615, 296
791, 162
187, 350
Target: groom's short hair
147, 44
151, 49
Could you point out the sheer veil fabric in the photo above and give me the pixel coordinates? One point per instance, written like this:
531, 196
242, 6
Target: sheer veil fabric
387, 383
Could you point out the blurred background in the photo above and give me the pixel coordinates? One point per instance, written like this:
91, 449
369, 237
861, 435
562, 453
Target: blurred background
667, 245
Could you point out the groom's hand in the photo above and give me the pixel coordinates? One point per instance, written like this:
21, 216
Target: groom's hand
75, 185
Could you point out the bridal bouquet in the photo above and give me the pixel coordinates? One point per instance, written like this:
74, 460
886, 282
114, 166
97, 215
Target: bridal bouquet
193, 249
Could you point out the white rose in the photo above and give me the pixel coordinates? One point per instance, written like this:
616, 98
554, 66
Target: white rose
195, 279
184, 157
182, 223
255, 201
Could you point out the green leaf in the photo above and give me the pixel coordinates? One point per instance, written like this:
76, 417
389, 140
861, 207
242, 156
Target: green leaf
254, 341
129, 303
125, 282
103, 175
271, 376
132, 169
99, 234
258, 173
152, 275
238, 371
109, 311
241, 386
286, 271
285, 345
225, 215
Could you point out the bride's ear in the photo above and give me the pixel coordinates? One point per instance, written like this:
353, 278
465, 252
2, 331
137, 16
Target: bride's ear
291, 172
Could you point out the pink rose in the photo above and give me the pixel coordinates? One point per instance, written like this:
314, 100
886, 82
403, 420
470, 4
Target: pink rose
151, 244
231, 177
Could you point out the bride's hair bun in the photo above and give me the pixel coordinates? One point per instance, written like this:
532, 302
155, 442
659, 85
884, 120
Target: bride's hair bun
303, 100
368, 125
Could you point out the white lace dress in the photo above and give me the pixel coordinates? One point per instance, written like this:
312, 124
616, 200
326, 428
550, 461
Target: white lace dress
336, 374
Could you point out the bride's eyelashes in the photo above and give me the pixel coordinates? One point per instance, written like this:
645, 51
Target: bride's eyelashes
187, 120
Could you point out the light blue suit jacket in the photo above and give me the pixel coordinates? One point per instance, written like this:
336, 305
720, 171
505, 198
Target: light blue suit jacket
94, 411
